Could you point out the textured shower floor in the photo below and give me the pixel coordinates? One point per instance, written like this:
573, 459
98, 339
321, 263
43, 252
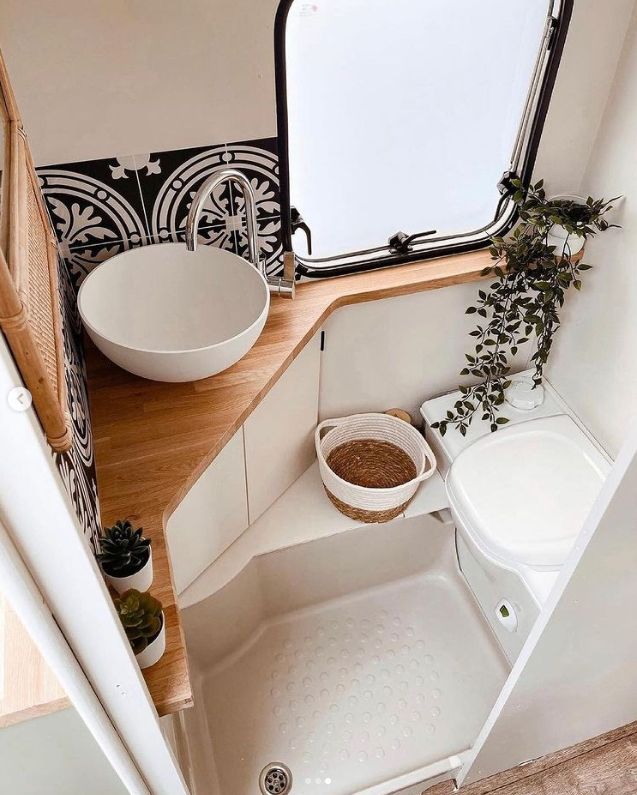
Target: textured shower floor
354, 691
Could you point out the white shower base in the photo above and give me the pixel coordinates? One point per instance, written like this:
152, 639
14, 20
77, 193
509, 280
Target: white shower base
354, 660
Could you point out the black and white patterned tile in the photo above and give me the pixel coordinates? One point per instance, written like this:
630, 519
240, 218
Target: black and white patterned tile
80, 261
77, 465
269, 241
93, 202
259, 161
103, 207
167, 193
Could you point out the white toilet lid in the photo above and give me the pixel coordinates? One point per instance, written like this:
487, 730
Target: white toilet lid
525, 491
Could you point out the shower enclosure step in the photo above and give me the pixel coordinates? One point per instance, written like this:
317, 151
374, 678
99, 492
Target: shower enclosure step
354, 691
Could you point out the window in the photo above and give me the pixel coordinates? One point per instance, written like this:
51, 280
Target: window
401, 122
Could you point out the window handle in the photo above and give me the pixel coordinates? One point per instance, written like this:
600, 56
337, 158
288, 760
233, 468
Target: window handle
298, 222
402, 243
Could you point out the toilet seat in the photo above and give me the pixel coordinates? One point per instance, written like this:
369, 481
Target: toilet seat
524, 492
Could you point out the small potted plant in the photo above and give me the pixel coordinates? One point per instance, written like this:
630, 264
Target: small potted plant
573, 214
126, 558
143, 620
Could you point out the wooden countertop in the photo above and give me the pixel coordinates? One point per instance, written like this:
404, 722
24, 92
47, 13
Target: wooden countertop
153, 440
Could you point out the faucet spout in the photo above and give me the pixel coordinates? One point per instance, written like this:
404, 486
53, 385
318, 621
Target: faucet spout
281, 286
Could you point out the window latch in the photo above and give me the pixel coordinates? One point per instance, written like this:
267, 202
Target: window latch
298, 222
402, 243
505, 185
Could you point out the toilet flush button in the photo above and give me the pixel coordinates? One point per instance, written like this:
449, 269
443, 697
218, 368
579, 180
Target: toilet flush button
523, 395
506, 615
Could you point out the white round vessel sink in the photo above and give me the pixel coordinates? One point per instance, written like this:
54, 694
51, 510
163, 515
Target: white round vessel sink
169, 314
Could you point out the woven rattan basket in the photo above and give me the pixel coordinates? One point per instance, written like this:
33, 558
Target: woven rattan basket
372, 464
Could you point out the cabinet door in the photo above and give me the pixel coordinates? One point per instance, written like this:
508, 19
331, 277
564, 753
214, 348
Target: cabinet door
279, 434
211, 516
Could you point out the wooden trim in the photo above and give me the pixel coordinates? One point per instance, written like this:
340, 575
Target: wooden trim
29, 689
7, 97
501, 781
21, 296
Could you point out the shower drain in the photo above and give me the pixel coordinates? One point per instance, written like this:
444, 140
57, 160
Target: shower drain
275, 779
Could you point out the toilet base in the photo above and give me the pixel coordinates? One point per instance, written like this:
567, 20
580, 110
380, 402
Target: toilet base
506, 601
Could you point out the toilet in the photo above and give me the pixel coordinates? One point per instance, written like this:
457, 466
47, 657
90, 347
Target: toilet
518, 500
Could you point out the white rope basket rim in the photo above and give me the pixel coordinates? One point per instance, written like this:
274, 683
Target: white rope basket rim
424, 471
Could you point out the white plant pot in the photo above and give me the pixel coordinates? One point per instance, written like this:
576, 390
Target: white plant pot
140, 581
558, 235
153, 652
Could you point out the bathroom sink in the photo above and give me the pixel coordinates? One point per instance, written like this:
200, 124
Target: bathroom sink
169, 314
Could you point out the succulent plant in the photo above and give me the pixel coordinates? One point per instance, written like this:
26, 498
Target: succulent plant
141, 617
123, 551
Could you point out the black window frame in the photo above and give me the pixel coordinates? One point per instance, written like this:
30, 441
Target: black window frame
385, 256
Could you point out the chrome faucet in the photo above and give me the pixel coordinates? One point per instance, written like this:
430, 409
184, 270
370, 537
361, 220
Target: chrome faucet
280, 285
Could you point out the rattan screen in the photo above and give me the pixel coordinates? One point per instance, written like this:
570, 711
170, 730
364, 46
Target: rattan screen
29, 298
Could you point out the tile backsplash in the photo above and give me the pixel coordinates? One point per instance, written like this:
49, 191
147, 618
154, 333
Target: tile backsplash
77, 465
100, 208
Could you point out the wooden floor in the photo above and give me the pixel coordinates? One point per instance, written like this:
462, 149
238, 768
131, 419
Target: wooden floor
609, 769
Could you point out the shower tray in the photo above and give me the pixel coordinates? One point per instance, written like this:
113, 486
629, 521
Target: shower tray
359, 662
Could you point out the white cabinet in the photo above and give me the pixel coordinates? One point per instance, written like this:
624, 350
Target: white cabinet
279, 434
211, 516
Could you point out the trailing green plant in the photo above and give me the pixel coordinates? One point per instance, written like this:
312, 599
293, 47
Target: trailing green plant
532, 279
123, 550
141, 617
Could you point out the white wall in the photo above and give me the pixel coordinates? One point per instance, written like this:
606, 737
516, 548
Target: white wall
118, 77
56, 755
590, 57
397, 352
594, 364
